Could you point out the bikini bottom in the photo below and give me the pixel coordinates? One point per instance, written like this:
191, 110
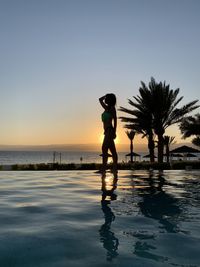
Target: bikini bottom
109, 133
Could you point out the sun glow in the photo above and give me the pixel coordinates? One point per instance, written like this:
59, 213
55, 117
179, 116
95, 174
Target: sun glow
108, 182
117, 140
101, 138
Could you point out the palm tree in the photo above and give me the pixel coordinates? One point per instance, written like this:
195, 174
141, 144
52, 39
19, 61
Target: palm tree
141, 118
191, 126
157, 107
163, 105
168, 140
131, 135
196, 141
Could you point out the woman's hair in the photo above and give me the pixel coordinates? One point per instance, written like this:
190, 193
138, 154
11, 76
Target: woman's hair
110, 100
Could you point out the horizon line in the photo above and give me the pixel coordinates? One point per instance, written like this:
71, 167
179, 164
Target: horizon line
79, 147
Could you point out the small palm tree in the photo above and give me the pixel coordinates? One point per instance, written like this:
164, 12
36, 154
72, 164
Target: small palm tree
168, 140
190, 126
131, 135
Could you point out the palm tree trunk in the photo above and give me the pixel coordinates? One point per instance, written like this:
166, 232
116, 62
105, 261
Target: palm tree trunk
167, 152
160, 148
151, 147
131, 149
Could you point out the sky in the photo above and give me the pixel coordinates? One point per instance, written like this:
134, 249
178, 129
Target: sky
57, 57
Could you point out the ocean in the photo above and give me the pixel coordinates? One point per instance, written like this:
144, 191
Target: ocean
34, 157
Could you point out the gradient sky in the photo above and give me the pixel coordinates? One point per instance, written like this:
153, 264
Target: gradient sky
57, 57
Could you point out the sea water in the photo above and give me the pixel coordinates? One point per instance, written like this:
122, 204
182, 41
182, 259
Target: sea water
34, 157
78, 218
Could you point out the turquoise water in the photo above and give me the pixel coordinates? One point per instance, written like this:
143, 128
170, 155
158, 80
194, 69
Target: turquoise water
64, 219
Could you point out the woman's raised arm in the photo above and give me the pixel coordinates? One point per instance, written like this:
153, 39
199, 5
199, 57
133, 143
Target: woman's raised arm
101, 100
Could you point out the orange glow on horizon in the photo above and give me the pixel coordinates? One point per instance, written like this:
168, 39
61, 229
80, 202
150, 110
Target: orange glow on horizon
91, 136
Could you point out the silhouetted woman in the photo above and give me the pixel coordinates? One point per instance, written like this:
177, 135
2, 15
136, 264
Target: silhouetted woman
109, 119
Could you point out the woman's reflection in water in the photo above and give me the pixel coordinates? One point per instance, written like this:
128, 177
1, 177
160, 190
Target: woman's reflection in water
107, 237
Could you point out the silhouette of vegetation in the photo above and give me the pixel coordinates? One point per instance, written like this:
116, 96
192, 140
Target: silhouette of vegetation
190, 126
155, 109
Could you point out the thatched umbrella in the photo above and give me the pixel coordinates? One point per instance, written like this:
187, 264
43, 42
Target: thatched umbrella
132, 154
185, 149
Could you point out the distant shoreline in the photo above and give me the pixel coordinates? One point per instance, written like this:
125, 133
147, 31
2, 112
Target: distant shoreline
176, 165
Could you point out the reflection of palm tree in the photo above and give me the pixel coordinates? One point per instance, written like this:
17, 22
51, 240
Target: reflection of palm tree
107, 237
159, 205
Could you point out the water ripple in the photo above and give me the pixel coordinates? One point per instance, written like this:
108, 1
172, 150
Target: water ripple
79, 218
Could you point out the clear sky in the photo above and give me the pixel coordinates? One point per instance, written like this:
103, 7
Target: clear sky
57, 57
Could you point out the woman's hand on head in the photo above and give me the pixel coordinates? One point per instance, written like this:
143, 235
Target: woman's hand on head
102, 101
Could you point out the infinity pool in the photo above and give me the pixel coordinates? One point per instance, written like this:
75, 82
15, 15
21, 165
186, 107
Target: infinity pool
64, 219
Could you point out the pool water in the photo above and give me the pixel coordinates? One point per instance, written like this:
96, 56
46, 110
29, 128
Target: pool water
78, 218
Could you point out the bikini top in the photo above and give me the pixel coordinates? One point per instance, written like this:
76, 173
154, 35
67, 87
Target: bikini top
106, 116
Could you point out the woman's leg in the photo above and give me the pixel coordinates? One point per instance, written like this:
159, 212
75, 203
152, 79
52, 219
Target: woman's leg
114, 155
105, 146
